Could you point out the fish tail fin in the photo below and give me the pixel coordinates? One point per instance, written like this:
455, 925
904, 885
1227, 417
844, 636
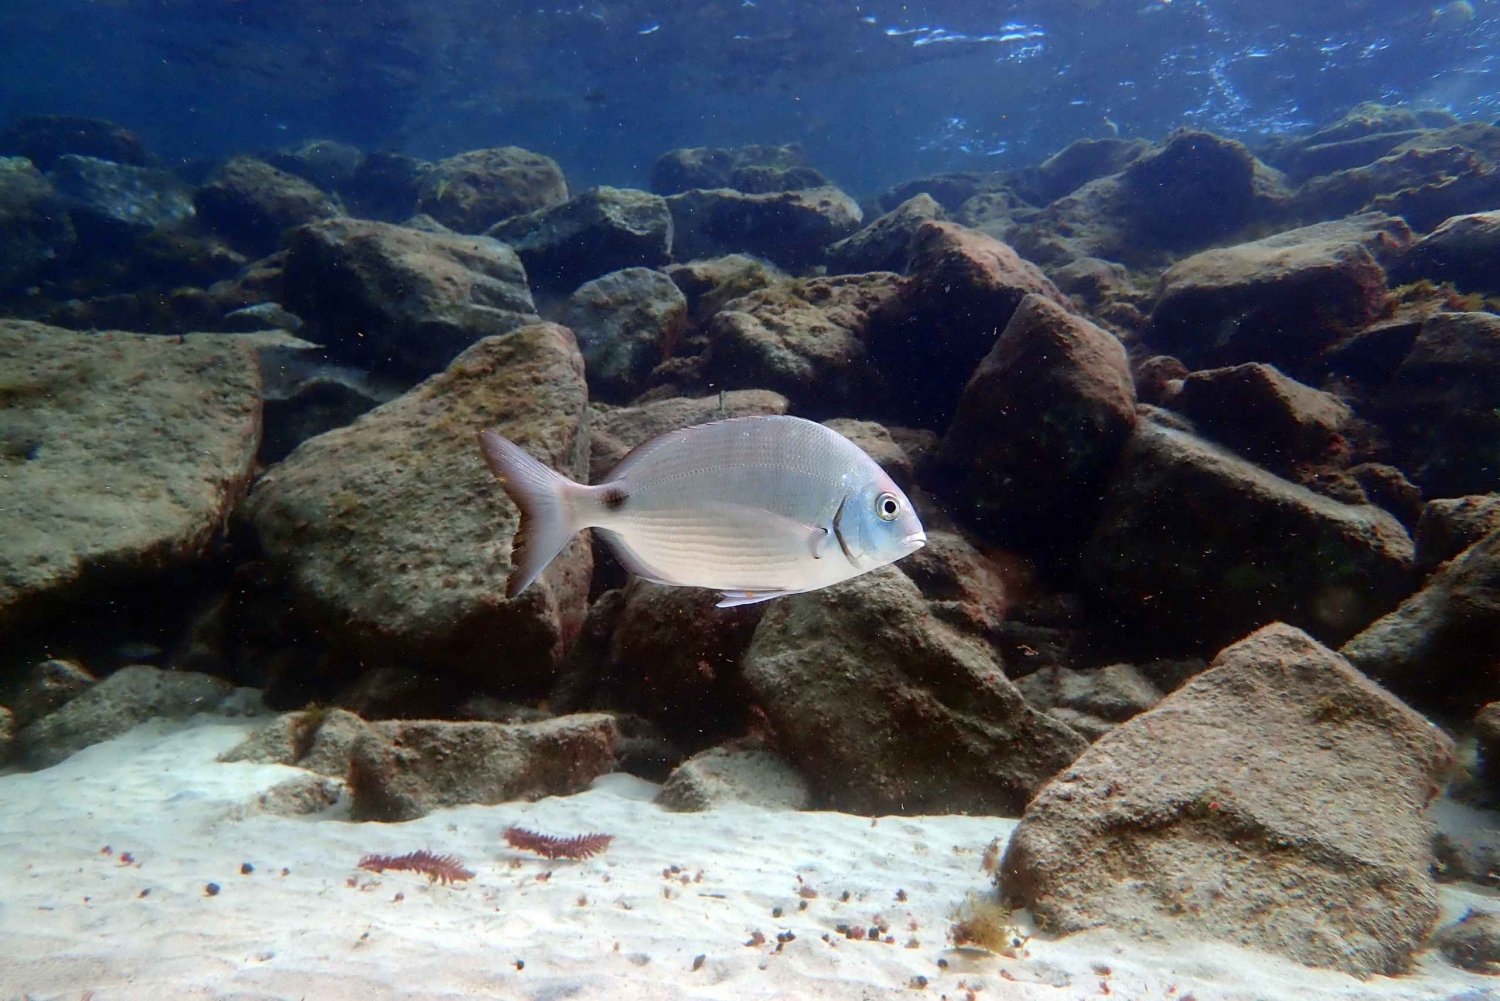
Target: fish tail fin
548, 516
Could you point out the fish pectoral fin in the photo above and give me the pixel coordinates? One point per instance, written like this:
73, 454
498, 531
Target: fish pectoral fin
733, 599
818, 540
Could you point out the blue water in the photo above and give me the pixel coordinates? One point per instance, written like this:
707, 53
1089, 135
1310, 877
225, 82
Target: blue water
875, 92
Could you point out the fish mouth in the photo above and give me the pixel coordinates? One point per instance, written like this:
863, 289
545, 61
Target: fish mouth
915, 541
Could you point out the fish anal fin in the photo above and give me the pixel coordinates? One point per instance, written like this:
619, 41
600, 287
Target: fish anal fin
734, 599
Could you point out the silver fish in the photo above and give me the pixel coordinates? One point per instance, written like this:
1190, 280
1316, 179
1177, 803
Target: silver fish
754, 507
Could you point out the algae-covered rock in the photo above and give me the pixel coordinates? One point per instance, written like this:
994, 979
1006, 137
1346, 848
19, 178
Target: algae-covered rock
600, 231
472, 191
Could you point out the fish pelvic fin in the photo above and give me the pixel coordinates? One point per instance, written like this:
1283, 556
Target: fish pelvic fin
734, 599
545, 497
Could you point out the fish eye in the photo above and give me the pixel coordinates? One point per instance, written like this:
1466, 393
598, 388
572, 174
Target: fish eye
887, 506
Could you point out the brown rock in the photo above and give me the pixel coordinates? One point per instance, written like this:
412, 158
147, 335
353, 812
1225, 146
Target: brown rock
1464, 250
1449, 525
805, 339
964, 288
1039, 427
472, 191
397, 542
252, 203
123, 454
1197, 546
1265, 416
1274, 801
402, 770
788, 228
1281, 300
1439, 647
399, 300
885, 244
885, 709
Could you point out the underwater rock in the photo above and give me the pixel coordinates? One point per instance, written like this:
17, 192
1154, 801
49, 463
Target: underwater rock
997, 213
129, 696
7, 734
398, 300
885, 709
471, 192
44, 138
1425, 179
1078, 163
1198, 546
396, 540
326, 163
626, 322
1438, 647
320, 741
111, 204
1091, 702
592, 234
883, 245
1040, 425
45, 687
1281, 300
251, 203
789, 228
1472, 942
962, 586
1442, 406
805, 339
384, 186
1304, 160
1263, 415
614, 431
754, 169
1449, 525
34, 226
1188, 822
122, 454
963, 289
709, 283
1464, 250
720, 776
1193, 191
950, 191
402, 769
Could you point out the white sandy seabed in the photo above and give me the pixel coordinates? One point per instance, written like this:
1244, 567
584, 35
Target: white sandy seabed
304, 922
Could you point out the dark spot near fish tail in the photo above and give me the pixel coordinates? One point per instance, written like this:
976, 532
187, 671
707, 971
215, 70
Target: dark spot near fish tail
614, 498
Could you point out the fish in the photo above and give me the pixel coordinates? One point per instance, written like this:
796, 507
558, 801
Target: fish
753, 507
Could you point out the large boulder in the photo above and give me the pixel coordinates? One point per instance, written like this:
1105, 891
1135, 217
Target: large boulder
788, 228
44, 138
472, 191
1199, 546
1440, 646
113, 203
395, 539
1464, 250
964, 286
1442, 405
34, 226
1274, 802
1039, 427
1263, 415
122, 456
129, 696
885, 709
599, 231
1280, 300
885, 244
756, 169
251, 203
626, 323
399, 300
805, 339
401, 770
